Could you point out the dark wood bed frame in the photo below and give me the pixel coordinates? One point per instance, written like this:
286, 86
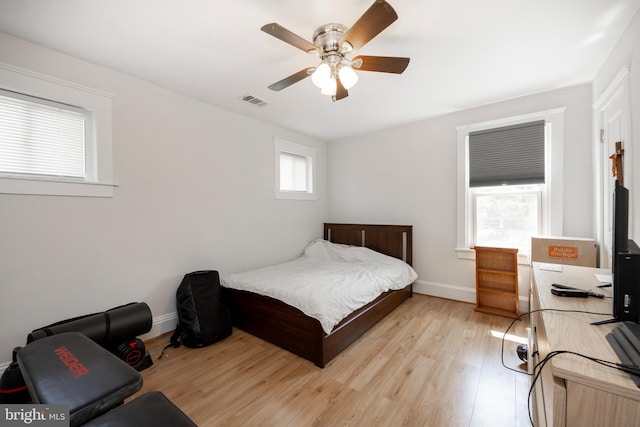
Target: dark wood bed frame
291, 329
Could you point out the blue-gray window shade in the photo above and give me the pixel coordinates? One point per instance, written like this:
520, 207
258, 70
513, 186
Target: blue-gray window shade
510, 155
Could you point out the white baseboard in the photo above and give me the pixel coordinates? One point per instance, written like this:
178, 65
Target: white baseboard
167, 322
441, 290
456, 293
160, 325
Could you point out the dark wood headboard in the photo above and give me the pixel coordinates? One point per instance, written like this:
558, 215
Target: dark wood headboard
392, 240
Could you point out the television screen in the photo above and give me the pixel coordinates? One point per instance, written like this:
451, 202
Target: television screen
625, 261
620, 236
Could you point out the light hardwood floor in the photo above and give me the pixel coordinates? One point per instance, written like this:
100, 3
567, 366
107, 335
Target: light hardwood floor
432, 362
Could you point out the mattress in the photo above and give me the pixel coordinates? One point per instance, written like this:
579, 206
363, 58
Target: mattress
328, 282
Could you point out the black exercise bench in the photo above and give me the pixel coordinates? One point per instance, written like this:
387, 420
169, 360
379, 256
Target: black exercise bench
73, 370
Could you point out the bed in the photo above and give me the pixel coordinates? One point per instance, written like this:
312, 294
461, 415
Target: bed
291, 329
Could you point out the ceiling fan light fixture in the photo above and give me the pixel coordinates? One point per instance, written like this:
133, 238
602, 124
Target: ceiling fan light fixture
348, 77
330, 87
321, 75
334, 43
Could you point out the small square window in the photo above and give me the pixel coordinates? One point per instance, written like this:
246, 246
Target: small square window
294, 170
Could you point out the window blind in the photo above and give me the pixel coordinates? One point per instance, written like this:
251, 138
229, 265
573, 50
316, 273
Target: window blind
293, 172
39, 137
510, 155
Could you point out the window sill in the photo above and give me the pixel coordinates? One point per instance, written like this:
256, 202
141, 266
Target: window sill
470, 254
55, 187
285, 195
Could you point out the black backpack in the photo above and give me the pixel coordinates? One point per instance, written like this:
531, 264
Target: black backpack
202, 318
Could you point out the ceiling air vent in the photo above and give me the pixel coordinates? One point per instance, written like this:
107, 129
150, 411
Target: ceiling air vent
253, 100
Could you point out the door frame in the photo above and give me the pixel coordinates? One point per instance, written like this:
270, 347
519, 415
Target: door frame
617, 90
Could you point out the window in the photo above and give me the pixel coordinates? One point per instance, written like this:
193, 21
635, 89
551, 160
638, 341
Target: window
41, 138
55, 136
509, 182
506, 215
294, 170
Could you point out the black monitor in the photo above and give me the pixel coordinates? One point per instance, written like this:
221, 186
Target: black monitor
620, 225
625, 262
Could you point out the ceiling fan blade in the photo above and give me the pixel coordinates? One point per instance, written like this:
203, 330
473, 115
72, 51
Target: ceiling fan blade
279, 32
378, 17
341, 92
293, 78
383, 64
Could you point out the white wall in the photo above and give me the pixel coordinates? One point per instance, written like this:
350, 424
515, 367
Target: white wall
627, 53
407, 175
195, 192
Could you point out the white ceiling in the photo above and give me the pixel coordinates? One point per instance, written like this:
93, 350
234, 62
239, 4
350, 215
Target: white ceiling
464, 53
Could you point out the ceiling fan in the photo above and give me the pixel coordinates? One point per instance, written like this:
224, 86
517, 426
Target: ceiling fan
334, 44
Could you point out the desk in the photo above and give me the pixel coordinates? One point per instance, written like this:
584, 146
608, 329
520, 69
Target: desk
573, 391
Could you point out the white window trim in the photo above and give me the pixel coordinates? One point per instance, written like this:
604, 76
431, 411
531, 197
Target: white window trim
281, 145
552, 206
99, 180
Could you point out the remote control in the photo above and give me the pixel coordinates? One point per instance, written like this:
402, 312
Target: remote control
569, 288
570, 293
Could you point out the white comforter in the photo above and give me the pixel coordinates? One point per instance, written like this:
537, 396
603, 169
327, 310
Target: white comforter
328, 282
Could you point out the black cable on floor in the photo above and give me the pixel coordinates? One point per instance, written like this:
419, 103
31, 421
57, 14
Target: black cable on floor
538, 367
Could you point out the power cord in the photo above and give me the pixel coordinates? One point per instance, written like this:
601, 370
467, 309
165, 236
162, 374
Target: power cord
537, 369
529, 313
613, 365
